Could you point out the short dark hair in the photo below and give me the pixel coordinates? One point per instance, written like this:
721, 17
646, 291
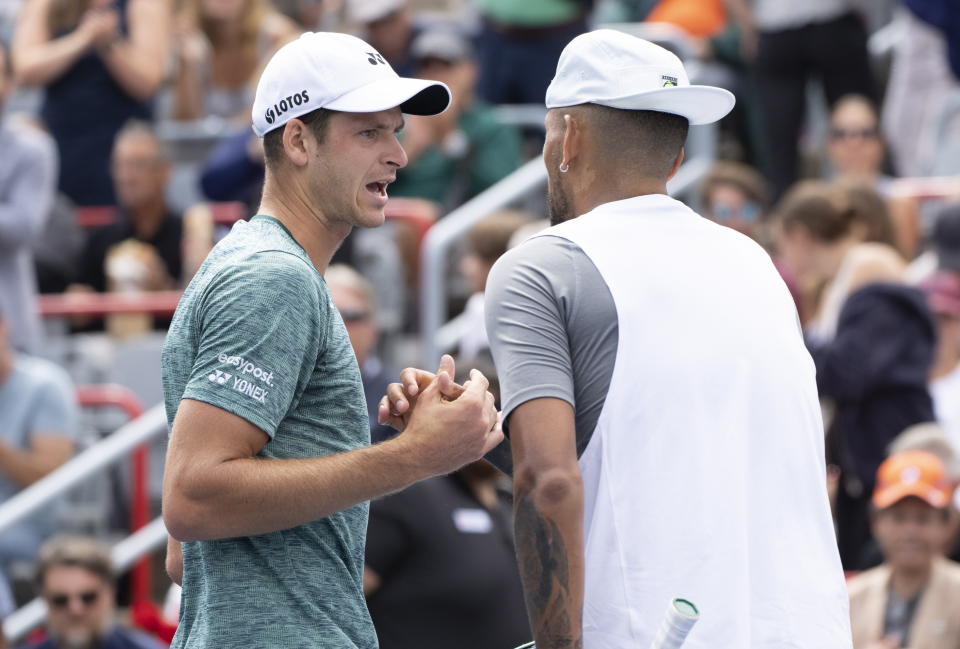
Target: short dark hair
317, 120
649, 140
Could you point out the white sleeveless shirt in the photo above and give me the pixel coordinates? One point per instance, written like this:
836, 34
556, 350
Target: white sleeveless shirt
705, 476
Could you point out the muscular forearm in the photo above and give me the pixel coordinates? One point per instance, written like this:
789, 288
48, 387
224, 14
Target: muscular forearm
251, 496
23, 468
548, 515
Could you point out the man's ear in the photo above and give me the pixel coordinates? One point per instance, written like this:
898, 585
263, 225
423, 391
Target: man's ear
677, 163
572, 144
297, 142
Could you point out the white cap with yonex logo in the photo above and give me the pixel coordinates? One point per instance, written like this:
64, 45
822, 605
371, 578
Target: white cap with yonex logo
615, 69
339, 72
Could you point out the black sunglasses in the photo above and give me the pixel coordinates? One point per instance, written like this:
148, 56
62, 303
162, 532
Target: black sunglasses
62, 600
850, 133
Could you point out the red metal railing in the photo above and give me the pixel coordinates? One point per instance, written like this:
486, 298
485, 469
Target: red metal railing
117, 396
421, 214
100, 304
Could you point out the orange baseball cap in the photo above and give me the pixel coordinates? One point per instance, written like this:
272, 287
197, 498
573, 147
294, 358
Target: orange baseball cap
912, 473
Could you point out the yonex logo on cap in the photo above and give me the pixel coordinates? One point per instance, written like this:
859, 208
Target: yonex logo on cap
373, 58
282, 106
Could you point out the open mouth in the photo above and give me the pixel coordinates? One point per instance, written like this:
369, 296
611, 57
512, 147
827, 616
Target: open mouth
378, 188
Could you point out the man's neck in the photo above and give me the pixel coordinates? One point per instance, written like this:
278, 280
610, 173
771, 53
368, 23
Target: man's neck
908, 583
147, 219
593, 193
306, 223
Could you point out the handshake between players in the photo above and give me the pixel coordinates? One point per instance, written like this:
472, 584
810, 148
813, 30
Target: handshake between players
452, 424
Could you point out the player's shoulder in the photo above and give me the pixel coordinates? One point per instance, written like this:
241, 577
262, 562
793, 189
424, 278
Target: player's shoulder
261, 254
545, 254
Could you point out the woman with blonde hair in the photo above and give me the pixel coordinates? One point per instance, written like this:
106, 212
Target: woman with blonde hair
221, 46
101, 62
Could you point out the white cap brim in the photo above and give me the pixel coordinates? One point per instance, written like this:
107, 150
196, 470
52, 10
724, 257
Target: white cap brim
699, 104
413, 96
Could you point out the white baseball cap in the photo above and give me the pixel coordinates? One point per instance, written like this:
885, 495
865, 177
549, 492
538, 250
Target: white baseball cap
338, 72
615, 69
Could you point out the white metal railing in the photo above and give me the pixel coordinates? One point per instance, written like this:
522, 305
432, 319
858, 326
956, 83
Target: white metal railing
447, 231
98, 457
124, 554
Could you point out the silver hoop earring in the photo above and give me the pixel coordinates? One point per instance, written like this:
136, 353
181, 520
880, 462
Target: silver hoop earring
564, 168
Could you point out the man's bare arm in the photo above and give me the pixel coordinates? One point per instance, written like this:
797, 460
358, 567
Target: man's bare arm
548, 519
215, 486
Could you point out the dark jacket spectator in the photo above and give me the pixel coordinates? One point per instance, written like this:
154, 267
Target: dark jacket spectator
875, 371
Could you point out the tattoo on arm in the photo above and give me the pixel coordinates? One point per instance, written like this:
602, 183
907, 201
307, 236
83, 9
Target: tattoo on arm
544, 570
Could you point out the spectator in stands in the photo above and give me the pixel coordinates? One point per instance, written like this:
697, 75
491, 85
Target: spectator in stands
794, 42
857, 155
76, 580
735, 195
389, 27
440, 566
943, 296
910, 600
486, 242
141, 169
520, 43
872, 342
932, 438
221, 47
101, 63
38, 426
822, 239
355, 300
855, 147
924, 75
458, 154
28, 176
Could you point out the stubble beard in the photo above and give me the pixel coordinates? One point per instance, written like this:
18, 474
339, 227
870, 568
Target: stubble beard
558, 200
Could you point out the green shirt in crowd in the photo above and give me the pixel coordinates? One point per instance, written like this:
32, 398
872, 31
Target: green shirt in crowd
490, 151
531, 13
257, 335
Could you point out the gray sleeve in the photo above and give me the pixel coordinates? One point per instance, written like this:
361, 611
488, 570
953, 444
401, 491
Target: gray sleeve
553, 330
27, 196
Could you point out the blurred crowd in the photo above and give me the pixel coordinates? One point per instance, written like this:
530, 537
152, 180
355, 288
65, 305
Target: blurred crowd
126, 152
